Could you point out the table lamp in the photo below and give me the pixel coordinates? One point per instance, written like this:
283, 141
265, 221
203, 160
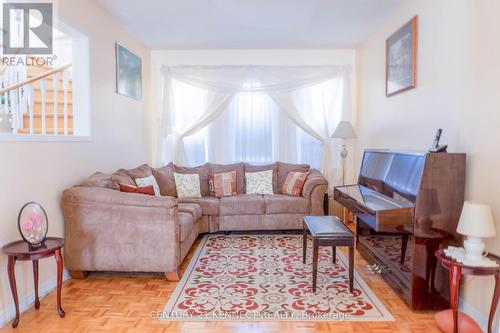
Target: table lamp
344, 130
476, 222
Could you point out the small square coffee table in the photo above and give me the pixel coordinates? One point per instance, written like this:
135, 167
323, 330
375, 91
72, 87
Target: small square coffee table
328, 231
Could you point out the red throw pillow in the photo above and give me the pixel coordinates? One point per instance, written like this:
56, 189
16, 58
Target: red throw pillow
149, 190
294, 183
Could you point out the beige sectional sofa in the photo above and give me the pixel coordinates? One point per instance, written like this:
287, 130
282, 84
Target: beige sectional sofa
109, 230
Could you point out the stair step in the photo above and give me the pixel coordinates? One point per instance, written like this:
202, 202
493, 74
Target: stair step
47, 131
47, 116
37, 70
49, 121
51, 101
49, 81
49, 94
49, 108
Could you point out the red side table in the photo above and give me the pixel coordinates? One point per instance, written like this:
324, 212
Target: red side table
456, 270
19, 250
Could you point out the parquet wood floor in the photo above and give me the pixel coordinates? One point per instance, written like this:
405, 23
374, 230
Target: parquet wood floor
123, 303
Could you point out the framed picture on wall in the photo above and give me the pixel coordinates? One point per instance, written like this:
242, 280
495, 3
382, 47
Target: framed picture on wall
401, 59
128, 73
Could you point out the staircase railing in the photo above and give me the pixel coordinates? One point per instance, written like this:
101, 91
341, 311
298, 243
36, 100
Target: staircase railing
19, 99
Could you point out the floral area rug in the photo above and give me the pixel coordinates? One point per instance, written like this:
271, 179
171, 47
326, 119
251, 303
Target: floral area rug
262, 277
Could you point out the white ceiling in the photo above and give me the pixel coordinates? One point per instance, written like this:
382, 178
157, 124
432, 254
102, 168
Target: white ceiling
250, 24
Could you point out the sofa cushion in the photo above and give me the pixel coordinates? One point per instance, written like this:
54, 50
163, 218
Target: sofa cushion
142, 171
192, 208
244, 204
221, 168
259, 168
209, 205
121, 176
285, 168
285, 204
201, 170
99, 179
186, 224
165, 179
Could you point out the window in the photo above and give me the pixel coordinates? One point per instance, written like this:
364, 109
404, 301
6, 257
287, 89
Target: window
46, 97
252, 129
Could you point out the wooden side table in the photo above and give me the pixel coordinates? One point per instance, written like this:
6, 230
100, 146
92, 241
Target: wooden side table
456, 270
19, 250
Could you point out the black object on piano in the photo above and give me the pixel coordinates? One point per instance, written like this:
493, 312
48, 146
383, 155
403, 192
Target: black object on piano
436, 147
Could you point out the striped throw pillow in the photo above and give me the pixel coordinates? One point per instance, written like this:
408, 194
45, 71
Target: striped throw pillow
294, 183
224, 184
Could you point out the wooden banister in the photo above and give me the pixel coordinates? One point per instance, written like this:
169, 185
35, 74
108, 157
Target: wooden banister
35, 78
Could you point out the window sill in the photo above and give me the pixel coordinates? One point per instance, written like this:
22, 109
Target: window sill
7, 137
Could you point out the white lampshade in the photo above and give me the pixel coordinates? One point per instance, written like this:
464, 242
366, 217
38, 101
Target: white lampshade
476, 220
344, 130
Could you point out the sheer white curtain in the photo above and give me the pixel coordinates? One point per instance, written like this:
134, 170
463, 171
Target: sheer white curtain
317, 110
188, 110
246, 129
252, 129
253, 113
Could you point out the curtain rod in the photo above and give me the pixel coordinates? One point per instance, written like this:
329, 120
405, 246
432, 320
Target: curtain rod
346, 68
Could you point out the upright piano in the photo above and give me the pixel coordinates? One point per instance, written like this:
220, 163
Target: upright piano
407, 205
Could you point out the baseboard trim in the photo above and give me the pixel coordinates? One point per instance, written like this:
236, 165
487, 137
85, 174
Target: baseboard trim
27, 301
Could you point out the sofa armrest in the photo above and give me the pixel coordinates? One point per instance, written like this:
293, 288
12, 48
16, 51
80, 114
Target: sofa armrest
108, 230
314, 180
314, 189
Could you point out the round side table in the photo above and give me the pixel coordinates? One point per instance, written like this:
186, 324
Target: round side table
19, 250
456, 270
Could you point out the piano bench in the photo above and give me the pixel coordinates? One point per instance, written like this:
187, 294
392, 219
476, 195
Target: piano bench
328, 231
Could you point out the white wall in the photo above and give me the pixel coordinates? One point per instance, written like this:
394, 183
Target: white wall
161, 58
457, 89
40, 171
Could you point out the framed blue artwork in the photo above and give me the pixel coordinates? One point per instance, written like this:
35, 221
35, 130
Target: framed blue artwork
128, 73
401, 59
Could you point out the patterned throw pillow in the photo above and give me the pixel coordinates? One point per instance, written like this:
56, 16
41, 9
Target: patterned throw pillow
149, 190
294, 183
223, 184
148, 181
259, 182
187, 185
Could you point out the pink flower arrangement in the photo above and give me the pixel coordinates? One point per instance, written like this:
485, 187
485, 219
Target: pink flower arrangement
36, 218
27, 224
33, 227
